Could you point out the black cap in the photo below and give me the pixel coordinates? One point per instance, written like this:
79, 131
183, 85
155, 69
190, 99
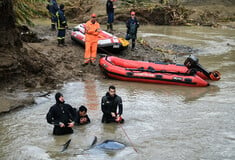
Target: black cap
61, 6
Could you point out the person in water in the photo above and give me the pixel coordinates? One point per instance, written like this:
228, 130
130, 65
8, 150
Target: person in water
81, 116
110, 103
61, 115
132, 25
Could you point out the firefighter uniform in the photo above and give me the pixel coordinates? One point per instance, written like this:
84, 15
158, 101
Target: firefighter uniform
52, 8
61, 25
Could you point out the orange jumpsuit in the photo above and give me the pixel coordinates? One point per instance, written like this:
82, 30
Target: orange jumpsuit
91, 41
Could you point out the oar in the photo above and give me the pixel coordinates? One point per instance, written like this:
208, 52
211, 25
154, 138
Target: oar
156, 71
65, 146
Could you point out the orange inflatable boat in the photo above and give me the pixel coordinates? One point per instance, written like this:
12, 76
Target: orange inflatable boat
163, 73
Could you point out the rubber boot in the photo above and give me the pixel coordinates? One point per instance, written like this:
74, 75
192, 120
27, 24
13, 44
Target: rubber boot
63, 43
60, 42
133, 45
53, 27
108, 26
111, 27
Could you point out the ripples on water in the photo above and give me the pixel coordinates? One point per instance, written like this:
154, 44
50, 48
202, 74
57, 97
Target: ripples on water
162, 121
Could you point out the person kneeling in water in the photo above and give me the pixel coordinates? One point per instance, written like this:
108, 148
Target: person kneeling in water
81, 116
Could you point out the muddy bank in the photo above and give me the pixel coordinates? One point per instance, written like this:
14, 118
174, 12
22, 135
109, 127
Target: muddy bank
40, 65
43, 65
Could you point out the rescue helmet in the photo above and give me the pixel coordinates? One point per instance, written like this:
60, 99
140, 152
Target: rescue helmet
132, 13
93, 15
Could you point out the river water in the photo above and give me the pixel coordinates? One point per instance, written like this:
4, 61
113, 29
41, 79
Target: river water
163, 122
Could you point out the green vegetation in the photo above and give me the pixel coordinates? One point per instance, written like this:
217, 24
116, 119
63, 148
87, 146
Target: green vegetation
134, 3
26, 9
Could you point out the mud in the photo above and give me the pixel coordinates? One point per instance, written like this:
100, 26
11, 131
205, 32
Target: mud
41, 65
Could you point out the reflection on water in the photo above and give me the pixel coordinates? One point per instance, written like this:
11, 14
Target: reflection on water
162, 121
92, 101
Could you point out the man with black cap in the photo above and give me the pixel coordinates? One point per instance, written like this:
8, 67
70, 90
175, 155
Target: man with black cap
61, 115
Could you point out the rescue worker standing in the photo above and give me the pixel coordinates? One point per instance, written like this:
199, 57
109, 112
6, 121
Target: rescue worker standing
61, 26
92, 29
109, 104
52, 7
110, 12
62, 116
132, 25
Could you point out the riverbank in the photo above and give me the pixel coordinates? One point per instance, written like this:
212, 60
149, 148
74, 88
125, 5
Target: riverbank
43, 66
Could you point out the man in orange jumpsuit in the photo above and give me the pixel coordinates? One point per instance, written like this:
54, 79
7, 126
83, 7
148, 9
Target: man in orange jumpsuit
92, 30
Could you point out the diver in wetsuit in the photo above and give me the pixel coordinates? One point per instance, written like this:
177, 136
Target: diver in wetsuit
61, 115
109, 105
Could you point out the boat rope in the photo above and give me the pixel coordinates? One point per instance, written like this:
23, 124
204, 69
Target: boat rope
152, 70
107, 52
128, 138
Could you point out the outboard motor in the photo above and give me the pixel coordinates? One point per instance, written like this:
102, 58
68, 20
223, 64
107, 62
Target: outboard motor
192, 63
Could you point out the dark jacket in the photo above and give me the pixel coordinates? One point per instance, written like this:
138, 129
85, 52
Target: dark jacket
61, 19
52, 7
110, 104
109, 7
61, 112
132, 26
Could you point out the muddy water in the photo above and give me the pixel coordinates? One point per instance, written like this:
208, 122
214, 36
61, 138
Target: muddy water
162, 121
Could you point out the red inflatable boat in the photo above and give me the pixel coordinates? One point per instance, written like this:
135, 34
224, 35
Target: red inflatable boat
140, 71
106, 40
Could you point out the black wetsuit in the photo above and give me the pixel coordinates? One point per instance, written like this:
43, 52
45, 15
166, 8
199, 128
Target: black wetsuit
61, 112
109, 104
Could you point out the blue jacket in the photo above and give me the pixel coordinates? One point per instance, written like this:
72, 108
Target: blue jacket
52, 7
61, 19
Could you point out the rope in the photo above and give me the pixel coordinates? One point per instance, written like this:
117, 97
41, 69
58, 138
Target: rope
128, 138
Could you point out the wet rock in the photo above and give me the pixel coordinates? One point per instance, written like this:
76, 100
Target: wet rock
27, 35
12, 102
